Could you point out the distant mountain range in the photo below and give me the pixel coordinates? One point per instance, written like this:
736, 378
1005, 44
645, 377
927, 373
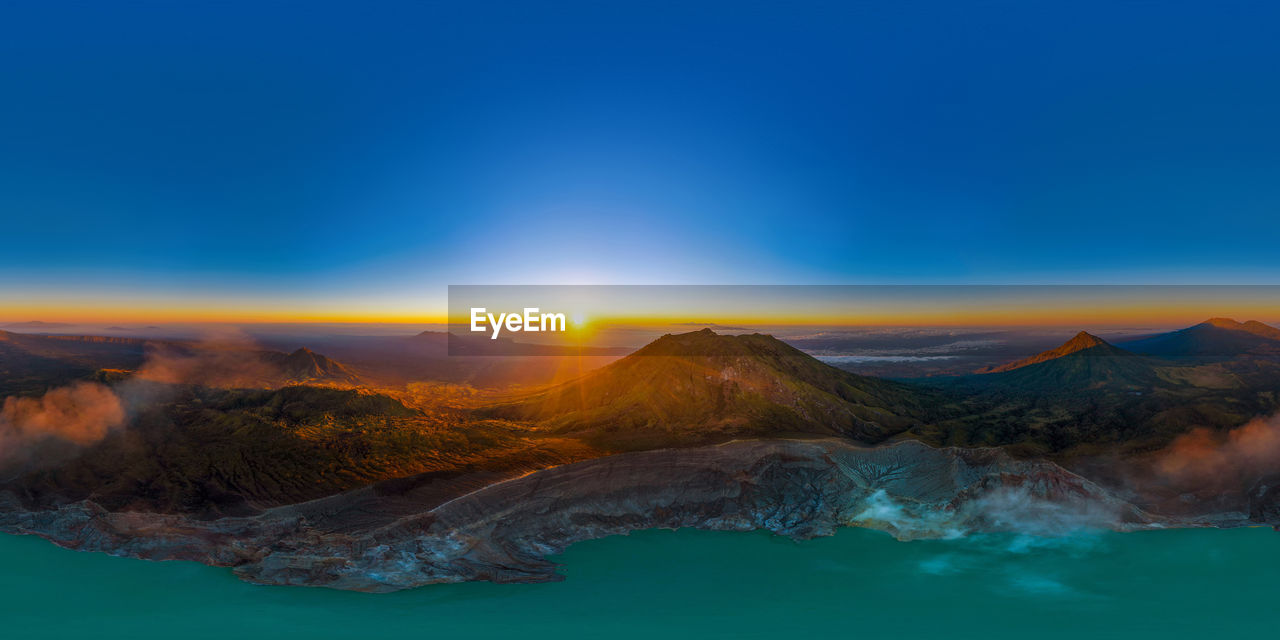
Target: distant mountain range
36, 325
1097, 361
1215, 337
31, 363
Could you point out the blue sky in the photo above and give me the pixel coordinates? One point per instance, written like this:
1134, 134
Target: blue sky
350, 155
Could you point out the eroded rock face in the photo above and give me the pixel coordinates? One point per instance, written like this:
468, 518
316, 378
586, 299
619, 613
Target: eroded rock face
503, 532
1264, 499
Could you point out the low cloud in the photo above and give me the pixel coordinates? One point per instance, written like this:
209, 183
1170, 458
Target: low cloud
207, 364
1205, 459
79, 414
224, 359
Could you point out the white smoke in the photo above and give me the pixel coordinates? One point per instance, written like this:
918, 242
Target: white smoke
1006, 509
1018, 510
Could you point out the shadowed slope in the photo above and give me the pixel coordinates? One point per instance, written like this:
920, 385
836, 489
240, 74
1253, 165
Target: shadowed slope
1213, 338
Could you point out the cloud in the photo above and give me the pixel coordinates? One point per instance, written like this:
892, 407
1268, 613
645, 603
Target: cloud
79, 414
224, 359
1205, 459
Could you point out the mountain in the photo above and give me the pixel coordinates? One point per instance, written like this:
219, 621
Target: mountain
1080, 342
1249, 326
305, 365
1084, 361
1088, 396
702, 387
1264, 330
1213, 338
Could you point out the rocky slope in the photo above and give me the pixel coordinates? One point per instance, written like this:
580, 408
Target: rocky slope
389, 538
306, 366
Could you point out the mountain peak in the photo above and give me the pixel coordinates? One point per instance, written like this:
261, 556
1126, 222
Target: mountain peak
1222, 323
305, 364
1082, 340
1261, 329
1250, 326
706, 342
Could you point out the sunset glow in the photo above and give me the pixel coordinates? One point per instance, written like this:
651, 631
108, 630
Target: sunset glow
978, 311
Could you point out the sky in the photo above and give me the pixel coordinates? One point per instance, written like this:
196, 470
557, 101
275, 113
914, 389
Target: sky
312, 160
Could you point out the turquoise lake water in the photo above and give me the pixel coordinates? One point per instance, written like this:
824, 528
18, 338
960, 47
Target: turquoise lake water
698, 584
